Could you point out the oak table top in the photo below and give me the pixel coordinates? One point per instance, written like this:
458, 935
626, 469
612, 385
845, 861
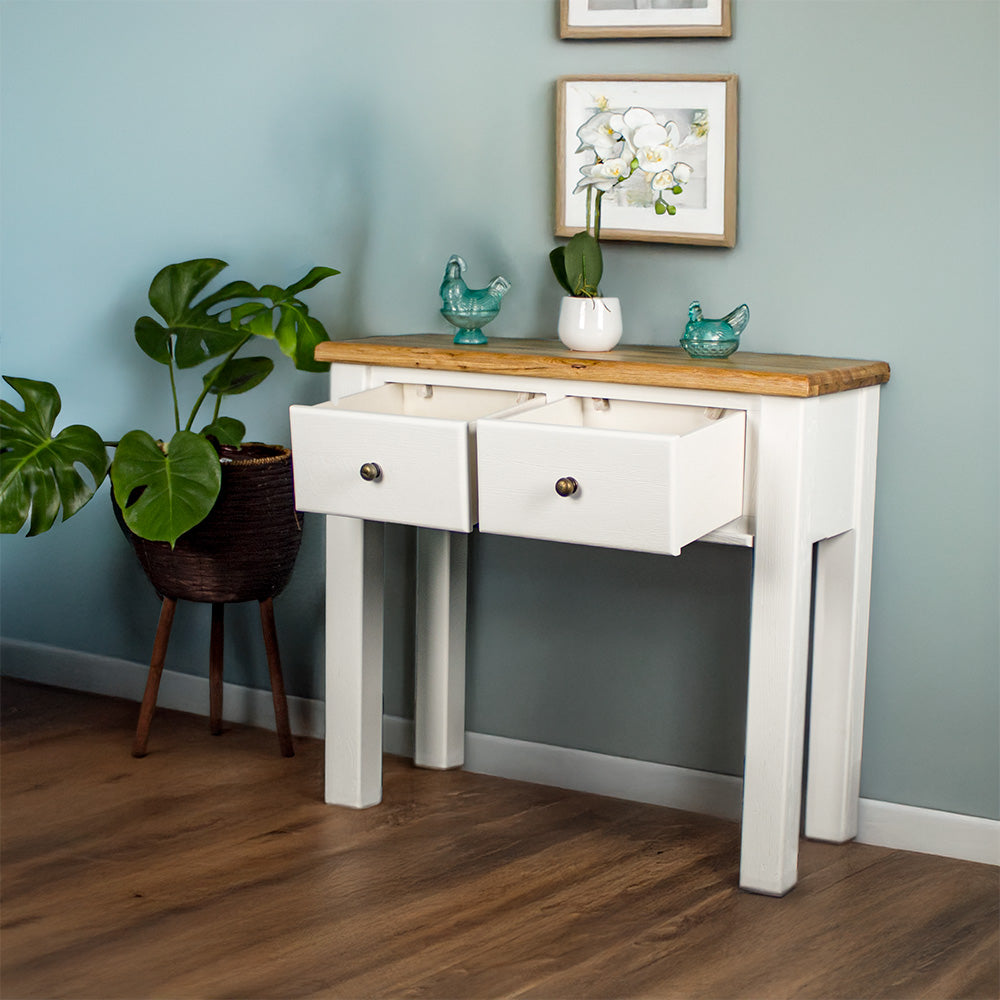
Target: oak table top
668, 367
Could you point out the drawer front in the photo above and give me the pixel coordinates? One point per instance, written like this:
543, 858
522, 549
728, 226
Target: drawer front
425, 471
639, 484
415, 445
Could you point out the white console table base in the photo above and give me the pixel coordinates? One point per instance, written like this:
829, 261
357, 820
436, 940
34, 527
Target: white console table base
810, 482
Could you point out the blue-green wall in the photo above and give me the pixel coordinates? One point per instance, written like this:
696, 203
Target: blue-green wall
379, 136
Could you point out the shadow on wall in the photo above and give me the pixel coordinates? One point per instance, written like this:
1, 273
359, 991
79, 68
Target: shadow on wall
637, 655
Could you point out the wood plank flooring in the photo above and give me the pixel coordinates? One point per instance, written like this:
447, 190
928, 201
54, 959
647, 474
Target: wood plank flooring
212, 868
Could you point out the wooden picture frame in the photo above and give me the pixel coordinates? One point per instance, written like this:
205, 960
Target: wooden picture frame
694, 131
645, 18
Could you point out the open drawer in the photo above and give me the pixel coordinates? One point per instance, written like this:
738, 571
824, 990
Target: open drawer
400, 452
618, 473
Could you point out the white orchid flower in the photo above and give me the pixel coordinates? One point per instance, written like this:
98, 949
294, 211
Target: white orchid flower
649, 135
636, 117
663, 181
603, 175
682, 172
597, 134
629, 122
653, 159
698, 135
667, 180
641, 132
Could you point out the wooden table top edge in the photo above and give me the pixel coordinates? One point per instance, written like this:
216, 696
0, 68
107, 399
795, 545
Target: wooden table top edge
792, 375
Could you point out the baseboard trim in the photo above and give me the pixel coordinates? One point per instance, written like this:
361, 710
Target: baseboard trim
602, 774
929, 831
107, 675
884, 824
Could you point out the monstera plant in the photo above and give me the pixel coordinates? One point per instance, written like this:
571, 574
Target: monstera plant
163, 485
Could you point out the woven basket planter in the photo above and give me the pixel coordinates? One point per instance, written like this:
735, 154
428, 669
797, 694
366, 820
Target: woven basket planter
245, 549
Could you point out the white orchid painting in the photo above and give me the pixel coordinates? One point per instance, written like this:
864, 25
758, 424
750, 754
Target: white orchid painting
648, 158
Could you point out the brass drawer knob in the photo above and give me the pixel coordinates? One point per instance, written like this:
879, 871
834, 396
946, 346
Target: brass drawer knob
566, 486
370, 472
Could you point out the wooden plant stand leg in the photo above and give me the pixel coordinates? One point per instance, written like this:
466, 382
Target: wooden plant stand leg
153, 678
277, 681
215, 655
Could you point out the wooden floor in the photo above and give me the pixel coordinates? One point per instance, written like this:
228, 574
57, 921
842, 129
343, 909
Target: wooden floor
212, 868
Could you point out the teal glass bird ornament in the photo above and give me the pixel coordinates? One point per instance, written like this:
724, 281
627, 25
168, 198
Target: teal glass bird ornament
714, 338
469, 309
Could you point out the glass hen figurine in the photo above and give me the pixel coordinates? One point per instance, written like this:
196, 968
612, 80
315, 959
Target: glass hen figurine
713, 338
469, 309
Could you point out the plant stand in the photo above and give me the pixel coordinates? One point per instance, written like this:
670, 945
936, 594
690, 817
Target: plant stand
214, 674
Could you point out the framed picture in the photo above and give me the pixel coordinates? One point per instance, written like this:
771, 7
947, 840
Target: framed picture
650, 158
644, 18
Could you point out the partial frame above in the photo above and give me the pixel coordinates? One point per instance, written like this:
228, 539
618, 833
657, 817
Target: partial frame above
660, 150
645, 18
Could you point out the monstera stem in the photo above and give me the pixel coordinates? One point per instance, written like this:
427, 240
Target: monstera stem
208, 385
173, 390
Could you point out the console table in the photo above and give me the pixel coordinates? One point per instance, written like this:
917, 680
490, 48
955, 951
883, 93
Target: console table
639, 448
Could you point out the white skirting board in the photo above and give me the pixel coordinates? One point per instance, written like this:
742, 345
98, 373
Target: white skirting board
885, 824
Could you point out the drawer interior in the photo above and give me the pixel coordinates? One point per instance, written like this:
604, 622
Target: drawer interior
623, 415
443, 402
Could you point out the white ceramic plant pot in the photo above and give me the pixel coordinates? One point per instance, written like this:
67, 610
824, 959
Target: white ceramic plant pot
590, 324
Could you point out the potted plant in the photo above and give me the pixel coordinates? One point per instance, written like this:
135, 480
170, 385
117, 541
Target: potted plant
165, 487
628, 148
587, 320
210, 516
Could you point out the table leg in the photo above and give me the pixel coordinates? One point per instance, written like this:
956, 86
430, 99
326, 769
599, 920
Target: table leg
779, 649
840, 650
355, 577
440, 648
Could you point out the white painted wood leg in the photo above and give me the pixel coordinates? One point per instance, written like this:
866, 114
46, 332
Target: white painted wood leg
779, 647
354, 584
840, 651
440, 648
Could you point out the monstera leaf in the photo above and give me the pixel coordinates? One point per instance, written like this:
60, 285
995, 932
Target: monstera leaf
225, 430
165, 491
237, 375
296, 332
38, 472
197, 332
